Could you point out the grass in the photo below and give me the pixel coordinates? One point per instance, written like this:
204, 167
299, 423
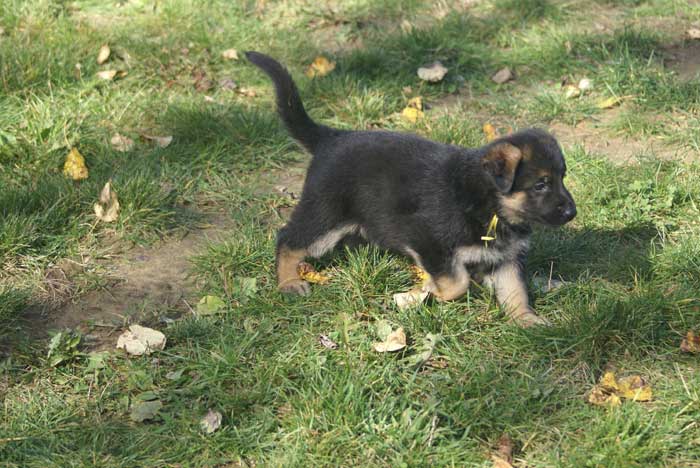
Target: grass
631, 259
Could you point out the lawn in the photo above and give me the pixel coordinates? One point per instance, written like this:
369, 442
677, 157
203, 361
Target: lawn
198, 217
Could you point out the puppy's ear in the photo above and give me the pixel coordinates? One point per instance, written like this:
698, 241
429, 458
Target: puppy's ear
500, 163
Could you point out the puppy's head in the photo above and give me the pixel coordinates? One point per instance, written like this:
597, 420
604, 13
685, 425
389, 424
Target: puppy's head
528, 169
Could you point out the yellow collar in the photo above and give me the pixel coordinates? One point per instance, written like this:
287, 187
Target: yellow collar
490, 231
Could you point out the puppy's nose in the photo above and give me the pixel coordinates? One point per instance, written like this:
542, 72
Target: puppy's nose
567, 212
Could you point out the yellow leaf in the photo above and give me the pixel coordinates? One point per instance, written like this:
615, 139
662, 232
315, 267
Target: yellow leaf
571, 91
107, 209
103, 54
74, 167
412, 114
609, 382
600, 397
691, 343
394, 342
307, 273
321, 66
609, 102
634, 388
230, 54
415, 103
490, 132
419, 274
109, 75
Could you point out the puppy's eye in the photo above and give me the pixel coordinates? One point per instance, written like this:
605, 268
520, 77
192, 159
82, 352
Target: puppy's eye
541, 185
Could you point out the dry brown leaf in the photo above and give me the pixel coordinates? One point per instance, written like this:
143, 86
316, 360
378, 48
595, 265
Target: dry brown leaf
609, 102
634, 388
162, 141
395, 341
503, 75
321, 66
230, 54
410, 299
433, 73
227, 83
326, 342
75, 167
107, 208
121, 143
490, 132
503, 458
691, 343
694, 33
307, 272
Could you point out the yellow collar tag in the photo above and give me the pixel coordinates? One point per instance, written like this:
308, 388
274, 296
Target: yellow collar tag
490, 231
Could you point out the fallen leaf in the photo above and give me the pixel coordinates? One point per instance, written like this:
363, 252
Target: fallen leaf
407, 90
694, 33
210, 305
424, 350
609, 102
419, 274
74, 167
174, 375
571, 91
145, 410
610, 390
2, 31
503, 75
546, 285
599, 397
162, 141
503, 458
109, 75
227, 83
326, 342
107, 208
307, 272
140, 340
413, 110
248, 92
691, 343
383, 329
490, 132
244, 288
433, 73
103, 54
122, 143
409, 299
395, 341
230, 54
321, 66
209, 99
634, 388
211, 422
585, 84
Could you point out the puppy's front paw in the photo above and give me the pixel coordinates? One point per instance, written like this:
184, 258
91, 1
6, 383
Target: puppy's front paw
295, 286
530, 319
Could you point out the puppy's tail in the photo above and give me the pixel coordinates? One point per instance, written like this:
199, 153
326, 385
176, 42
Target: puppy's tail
289, 106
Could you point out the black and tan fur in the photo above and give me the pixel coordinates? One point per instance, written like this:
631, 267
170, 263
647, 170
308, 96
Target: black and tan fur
428, 200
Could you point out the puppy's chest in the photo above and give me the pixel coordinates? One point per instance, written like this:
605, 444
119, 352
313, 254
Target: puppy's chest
497, 252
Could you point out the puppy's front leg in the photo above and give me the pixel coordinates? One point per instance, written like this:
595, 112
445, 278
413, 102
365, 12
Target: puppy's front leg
511, 293
288, 280
447, 287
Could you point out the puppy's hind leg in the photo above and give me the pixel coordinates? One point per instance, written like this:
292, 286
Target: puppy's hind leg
306, 235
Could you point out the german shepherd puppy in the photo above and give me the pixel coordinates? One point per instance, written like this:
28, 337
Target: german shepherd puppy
458, 213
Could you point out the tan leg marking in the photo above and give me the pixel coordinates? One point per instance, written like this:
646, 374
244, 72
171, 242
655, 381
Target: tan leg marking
451, 287
288, 280
511, 293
